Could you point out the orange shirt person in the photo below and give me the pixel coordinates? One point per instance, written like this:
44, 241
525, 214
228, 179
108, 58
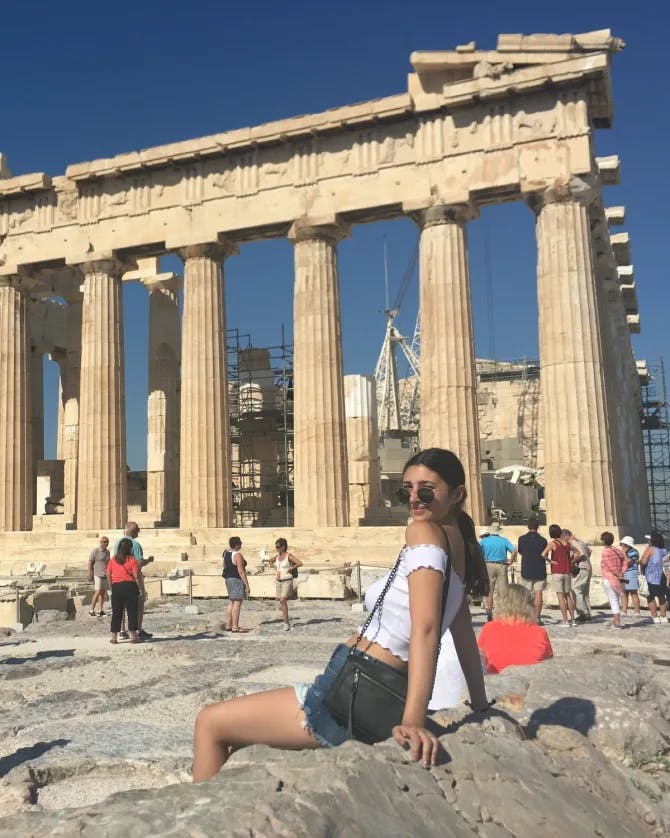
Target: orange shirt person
513, 638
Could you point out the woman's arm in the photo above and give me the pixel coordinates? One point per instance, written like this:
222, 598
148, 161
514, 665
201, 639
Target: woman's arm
468, 656
425, 608
240, 563
644, 561
294, 562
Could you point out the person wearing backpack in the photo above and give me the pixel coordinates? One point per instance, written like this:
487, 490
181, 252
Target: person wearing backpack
237, 584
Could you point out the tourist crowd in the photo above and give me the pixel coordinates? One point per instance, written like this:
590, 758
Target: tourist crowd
564, 561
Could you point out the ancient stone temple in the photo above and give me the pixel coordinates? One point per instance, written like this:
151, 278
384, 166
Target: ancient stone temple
474, 127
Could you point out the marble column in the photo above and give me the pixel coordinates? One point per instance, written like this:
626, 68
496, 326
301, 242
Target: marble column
16, 460
362, 454
578, 466
163, 399
37, 406
102, 480
204, 466
321, 484
70, 374
448, 386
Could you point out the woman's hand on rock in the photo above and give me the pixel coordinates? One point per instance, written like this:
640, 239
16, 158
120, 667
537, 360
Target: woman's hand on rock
423, 746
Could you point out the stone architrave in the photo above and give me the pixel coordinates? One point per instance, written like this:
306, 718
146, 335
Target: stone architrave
362, 432
578, 467
102, 482
448, 385
16, 460
163, 399
321, 484
204, 465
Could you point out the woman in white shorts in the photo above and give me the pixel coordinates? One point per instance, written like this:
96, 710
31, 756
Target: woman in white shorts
285, 565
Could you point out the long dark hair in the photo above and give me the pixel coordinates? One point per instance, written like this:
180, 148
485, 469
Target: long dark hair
656, 539
124, 549
450, 468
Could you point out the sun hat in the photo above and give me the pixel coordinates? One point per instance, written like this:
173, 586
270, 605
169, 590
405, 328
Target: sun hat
484, 531
627, 540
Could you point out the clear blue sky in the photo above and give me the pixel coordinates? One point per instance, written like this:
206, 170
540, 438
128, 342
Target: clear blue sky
87, 80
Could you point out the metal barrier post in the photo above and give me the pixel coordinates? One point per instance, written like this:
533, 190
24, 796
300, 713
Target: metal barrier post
359, 587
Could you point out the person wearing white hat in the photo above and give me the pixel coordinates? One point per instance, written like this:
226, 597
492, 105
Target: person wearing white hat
631, 576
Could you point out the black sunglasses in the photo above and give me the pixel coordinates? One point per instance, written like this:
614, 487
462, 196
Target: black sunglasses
425, 494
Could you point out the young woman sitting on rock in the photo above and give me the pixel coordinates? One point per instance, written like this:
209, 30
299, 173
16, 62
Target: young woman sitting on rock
513, 638
403, 635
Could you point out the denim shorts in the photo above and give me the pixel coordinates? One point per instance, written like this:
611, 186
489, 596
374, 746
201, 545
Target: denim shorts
318, 720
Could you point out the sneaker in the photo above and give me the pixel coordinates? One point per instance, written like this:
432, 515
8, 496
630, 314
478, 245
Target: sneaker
124, 635
624, 614
287, 627
92, 614
564, 624
659, 620
573, 623
101, 613
144, 635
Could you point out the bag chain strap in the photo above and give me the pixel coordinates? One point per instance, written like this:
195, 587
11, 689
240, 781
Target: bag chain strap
389, 582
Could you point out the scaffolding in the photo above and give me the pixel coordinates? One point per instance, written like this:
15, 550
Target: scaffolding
656, 435
260, 386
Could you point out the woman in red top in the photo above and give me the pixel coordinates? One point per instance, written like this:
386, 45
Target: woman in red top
613, 563
513, 638
126, 583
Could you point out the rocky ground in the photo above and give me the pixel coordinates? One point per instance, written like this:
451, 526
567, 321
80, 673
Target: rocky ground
96, 739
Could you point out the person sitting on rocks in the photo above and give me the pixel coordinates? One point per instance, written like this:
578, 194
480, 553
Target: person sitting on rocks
409, 610
513, 638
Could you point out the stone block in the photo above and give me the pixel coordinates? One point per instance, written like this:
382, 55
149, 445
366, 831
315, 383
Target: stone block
191, 609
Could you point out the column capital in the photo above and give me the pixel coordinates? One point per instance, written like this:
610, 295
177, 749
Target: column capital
103, 261
459, 213
25, 281
324, 228
216, 251
562, 191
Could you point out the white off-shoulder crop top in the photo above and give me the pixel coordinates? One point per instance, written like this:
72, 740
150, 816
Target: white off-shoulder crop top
390, 626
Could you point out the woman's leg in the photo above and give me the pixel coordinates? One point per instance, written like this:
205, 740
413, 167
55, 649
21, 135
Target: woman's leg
235, 614
132, 601
624, 603
651, 602
613, 598
284, 609
635, 597
117, 609
229, 615
269, 718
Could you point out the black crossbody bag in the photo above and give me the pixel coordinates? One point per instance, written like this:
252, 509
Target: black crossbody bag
368, 696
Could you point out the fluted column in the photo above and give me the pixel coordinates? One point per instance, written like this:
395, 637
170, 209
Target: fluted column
16, 460
163, 399
448, 376
204, 469
70, 368
102, 479
321, 491
362, 454
37, 411
578, 468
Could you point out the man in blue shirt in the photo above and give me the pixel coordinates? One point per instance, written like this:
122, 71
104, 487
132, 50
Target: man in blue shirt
496, 549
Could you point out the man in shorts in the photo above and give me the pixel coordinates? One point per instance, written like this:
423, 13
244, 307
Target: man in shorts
496, 549
559, 554
97, 573
533, 565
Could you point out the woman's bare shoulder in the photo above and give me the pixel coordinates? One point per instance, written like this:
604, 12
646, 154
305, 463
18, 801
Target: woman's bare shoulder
424, 532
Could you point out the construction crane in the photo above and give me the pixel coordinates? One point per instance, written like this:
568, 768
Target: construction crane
396, 411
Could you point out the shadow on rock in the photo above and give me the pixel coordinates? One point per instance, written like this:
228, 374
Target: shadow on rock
576, 713
10, 762
54, 653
